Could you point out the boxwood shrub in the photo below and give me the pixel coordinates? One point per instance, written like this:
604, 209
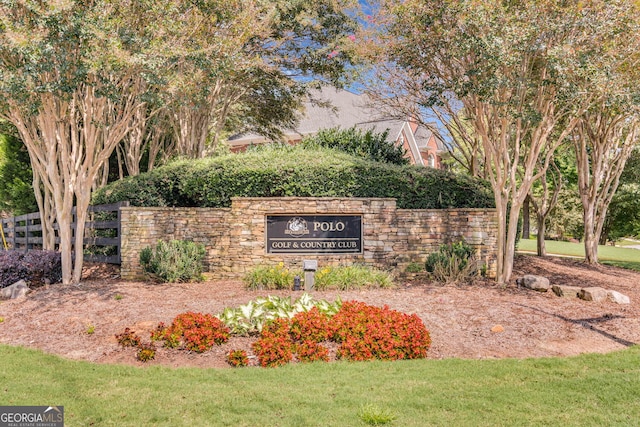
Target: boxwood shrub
276, 171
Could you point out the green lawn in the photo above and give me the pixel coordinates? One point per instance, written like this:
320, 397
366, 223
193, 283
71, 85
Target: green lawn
589, 390
613, 255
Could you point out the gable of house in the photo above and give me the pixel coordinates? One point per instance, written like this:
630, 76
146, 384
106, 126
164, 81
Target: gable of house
334, 108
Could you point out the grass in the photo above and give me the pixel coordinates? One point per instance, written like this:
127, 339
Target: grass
589, 390
627, 242
612, 255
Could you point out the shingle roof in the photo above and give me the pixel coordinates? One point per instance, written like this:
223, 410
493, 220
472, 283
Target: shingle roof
334, 108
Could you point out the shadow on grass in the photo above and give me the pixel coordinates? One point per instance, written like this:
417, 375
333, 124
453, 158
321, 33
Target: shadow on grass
629, 265
589, 324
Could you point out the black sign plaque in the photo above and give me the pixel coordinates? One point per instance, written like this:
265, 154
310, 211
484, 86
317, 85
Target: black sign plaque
314, 234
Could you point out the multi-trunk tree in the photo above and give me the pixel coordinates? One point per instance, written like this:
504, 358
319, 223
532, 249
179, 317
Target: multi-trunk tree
76, 75
519, 75
603, 141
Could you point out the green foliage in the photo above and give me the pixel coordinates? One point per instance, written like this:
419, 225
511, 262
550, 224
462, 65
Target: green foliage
623, 215
268, 277
175, 261
452, 263
352, 277
278, 171
415, 267
366, 144
251, 317
375, 416
16, 191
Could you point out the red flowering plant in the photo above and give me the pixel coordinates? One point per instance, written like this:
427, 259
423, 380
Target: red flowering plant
366, 332
311, 351
308, 329
237, 358
275, 347
310, 325
196, 331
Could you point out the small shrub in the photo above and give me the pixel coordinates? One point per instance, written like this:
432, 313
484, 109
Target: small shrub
367, 144
91, 329
452, 263
195, 331
128, 338
237, 358
35, 267
146, 352
352, 277
175, 261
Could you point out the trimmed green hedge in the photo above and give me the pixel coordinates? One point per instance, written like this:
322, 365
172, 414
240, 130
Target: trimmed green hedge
294, 171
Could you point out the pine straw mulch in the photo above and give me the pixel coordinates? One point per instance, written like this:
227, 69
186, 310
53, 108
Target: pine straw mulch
460, 318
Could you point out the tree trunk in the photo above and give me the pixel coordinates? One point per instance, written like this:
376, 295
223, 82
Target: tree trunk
526, 223
82, 205
542, 229
590, 239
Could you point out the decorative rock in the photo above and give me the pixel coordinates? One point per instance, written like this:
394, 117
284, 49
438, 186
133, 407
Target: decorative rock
566, 291
17, 290
617, 297
497, 329
593, 294
537, 283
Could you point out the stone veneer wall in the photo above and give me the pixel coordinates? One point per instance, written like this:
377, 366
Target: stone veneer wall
235, 237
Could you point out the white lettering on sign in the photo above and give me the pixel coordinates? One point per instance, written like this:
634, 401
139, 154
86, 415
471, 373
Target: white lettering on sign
328, 226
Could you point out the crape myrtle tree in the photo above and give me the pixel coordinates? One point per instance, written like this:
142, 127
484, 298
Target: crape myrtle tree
75, 75
623, 215
603, 141
511, 77
67, 87
265, 56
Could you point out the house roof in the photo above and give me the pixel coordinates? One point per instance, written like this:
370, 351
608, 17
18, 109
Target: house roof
335, 108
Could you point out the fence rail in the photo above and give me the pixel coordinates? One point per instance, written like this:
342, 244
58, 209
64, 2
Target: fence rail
101, 240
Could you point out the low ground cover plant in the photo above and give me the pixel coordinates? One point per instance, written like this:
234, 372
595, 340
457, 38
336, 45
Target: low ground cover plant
174, 261
193, 331
35, 267
363, 332
237, 358
303, 331
250, 318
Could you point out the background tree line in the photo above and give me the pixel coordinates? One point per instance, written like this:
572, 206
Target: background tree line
539, 97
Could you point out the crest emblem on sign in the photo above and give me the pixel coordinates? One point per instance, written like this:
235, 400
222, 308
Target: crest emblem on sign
297, 227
